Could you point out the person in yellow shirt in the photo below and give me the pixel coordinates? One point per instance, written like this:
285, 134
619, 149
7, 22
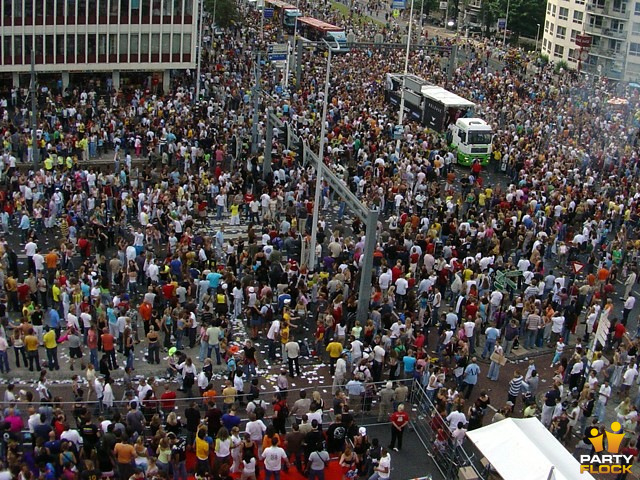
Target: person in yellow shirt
51, 346
334, 349
31, 345
235, 214
203, 446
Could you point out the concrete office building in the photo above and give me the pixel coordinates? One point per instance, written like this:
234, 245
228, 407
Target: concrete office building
614, 28
112, 42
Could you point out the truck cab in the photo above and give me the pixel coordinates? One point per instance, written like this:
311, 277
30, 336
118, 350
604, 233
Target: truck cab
471, 138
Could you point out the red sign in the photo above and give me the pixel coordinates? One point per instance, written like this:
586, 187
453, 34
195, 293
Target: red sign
577, 267
583, 41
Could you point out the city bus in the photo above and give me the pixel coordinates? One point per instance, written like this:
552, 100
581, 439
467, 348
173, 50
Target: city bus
285, 13
314, 30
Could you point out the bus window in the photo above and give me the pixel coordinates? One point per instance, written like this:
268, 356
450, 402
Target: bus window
479, 138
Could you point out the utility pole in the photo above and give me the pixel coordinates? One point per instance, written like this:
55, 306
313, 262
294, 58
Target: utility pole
452, 61
404, 78
298, 64
506, 23
200, 50
256, 107
34, 111
316, 202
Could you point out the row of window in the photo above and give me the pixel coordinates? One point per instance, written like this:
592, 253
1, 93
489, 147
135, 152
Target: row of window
103, 8
91, 44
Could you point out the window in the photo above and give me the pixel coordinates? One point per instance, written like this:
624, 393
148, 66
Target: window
102, 8
81, 45
60, 45
8, 4
558, 51
166, 7
102, 44
113, 44
146, 8
574, 33
546, 25
548, 8
188, 7
186, 43
552, 28
634, 49
155, 43
578, 17
39, 50
563, 14
48, 45
60, 8
144, 44
572, 54
175, 46
124, 44
39, 9
561, 32
28, 44
71, 47
113, 9
636, 9
17, 46
91, 44
177, 8
579, 2
553, 10
50, 5
155, 8
82, 8
635, 28
133, 45
7, 46
166, 43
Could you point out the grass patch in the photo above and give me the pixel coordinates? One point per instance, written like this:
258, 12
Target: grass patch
345, 11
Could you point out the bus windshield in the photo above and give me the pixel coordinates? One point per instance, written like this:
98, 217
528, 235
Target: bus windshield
479, 138
339, 37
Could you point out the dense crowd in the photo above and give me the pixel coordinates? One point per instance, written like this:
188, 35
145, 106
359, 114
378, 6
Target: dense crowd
141, 265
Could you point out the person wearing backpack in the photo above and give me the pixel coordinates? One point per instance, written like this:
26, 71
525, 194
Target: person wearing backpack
280, 413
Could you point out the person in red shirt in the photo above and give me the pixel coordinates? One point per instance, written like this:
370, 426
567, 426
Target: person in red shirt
108, 347
631, 451
619, 332
399, 420
168, 400
92, 344
145, 311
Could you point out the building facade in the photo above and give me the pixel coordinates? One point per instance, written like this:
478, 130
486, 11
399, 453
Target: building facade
614, 29
113, 41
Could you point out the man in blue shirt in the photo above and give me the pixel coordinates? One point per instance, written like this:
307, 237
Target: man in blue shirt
492, 334
54, 320
409, 362
471, 374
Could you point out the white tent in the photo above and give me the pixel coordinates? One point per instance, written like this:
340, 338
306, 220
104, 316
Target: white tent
523, 449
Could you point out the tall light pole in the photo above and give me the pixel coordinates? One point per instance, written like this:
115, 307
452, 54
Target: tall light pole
200, 50
404, 77
316, 201
506, 24
35, 152
537, 36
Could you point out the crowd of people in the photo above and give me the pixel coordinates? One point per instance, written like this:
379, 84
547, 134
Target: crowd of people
142, 265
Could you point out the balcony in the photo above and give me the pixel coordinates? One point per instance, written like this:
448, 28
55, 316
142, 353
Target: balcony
599, 51
605, 71
609, 11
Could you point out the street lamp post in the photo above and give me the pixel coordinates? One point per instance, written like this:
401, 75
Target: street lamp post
200, 50
316, 201
506, 24
404, 77
537, 36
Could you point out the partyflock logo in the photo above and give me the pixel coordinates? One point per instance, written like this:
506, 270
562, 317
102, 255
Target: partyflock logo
611, 462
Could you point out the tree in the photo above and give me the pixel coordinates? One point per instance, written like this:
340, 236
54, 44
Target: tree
524, 15
429, 6
225, 12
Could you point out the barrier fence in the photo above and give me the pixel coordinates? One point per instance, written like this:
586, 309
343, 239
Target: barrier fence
432, 430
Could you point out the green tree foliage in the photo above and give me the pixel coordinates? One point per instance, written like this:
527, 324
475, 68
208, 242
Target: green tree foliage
524, 15
224, 11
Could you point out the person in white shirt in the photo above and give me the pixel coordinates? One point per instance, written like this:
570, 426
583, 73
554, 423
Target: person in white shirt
273, 457
628, 378
401, 291
383, 470
340, 373
107, 395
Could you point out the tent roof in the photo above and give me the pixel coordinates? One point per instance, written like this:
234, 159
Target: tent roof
449, 99
523, 449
